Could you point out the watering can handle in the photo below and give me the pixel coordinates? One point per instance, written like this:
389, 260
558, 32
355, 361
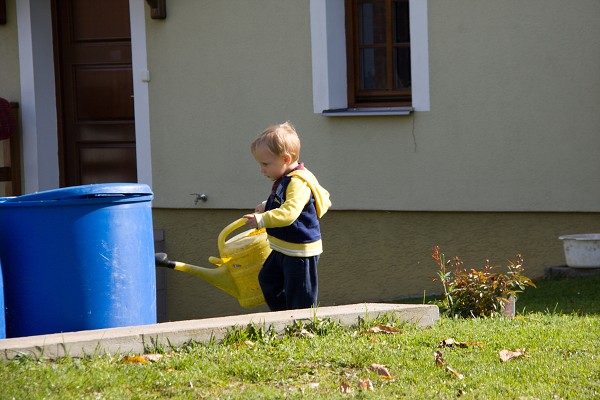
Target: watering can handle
227, 230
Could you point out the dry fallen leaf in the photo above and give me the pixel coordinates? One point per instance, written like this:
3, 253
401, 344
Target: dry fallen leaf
439, 360
381, 370
455, 373
506, 355
447, 342
142, 359
367, 385
305, 333
475, 344
245, 343
153, 357
134, 360
345, 388
450, 342
382, 329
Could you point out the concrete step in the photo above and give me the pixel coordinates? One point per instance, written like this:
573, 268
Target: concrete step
134, 339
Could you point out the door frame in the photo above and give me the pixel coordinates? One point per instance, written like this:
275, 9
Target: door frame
38, 94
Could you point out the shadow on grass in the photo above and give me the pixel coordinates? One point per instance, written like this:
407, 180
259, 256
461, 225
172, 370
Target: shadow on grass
566, 295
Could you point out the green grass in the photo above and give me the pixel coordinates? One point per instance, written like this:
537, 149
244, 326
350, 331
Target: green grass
581, 295
558, 324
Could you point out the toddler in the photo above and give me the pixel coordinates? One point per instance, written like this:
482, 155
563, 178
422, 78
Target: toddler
291, 215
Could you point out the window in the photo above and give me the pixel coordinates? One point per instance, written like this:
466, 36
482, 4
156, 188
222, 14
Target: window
335, 88
378, 53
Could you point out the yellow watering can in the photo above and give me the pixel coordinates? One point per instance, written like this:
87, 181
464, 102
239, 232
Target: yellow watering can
242, 257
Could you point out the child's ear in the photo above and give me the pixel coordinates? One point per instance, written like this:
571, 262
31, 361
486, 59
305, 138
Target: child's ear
287, 158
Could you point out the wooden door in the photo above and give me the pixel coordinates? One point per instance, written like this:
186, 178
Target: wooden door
95, 91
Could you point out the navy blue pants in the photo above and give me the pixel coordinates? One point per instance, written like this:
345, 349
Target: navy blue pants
289, 282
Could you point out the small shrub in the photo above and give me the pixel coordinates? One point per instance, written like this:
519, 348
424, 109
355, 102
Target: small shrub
476, 293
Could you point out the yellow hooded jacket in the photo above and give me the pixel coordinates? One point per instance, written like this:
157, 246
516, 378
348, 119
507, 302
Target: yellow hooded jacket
298, 189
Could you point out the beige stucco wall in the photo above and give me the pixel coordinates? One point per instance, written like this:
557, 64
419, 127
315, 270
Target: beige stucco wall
503, 163
513, 124
372, 256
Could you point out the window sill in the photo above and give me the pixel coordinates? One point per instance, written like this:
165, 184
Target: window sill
367, 112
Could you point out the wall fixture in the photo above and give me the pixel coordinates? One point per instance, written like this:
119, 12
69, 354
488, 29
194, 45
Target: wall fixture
2, 12
199, 197
158, 8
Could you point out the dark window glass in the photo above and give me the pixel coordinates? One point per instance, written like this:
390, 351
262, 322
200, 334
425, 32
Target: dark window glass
378, 44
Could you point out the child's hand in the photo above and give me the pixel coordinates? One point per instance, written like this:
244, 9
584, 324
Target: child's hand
260, 208
251, 221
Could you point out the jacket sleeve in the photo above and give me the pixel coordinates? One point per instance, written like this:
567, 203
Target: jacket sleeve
297, 196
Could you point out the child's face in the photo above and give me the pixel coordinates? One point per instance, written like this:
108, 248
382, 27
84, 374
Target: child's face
272, 166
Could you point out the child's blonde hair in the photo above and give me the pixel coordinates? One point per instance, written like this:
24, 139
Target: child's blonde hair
280, 139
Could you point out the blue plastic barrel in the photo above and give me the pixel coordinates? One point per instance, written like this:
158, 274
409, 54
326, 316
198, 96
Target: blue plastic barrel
2, 318
2, 323
78, 258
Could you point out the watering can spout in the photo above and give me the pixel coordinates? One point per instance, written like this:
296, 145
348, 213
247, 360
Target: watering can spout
162, 260
237, 269
218, 277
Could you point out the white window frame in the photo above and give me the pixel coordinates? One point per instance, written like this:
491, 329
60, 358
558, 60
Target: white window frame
328, 40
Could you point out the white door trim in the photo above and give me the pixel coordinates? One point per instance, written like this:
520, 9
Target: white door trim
38, 95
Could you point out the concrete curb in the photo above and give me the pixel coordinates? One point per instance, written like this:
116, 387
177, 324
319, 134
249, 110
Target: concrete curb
135, 339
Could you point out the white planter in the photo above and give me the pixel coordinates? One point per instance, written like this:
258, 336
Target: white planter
583, 250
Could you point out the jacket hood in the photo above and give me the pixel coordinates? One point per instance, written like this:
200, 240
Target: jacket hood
321, 195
